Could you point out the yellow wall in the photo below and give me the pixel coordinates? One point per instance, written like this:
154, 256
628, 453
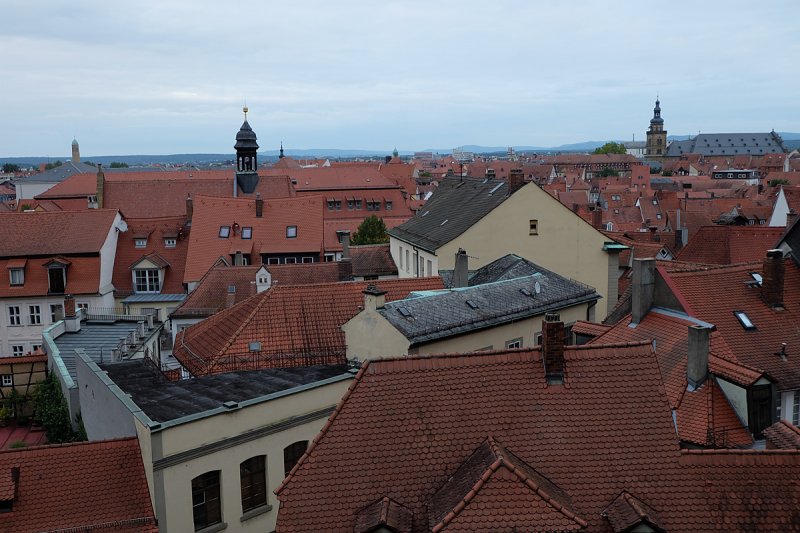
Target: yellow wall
564, 242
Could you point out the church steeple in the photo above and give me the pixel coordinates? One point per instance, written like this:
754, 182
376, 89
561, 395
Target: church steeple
246, 156
76, 151
280, 155
656, 135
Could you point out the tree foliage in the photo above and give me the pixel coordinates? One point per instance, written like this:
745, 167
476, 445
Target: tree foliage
118, 164
611, 148
8, 168
52, 411
371, 231
777, 181
608, 171
53, 165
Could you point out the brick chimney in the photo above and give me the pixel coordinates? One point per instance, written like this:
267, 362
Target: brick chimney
72, 319
189, 207
553, 349
101, 186
259, 205
597, 217
461, 270
642, 288
346, 269
697, 362
516, 179
772, 279
69, 306
374, 298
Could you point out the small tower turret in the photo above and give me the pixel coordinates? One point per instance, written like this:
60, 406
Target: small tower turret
246, 157
76, 151
656, 135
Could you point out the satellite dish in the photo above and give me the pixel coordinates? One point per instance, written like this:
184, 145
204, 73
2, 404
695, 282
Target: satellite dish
537, 288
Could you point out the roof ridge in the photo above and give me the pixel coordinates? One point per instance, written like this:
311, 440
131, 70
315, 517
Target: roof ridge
244, 323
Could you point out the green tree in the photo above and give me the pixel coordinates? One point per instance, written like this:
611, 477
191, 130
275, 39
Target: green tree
8, 168
50, 166
118, 164
52, 411
608, 171
611, 148
371, 231
776, 182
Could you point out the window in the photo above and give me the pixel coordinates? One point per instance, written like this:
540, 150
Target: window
538, 338
796, 408
429, 265
17, 350
658, 216
292, 454
291, 232
247, 232
170, 243
388, 205
351, 203
308, 260
36, 347
408, 263
34, 315
744, 320
254, 483
401, 257
205, 500
147, 280
340, 234
290, 260
17, 276
515, 343
358, 203
273, 260
83, 306
8, 380
140, 243
533, 227
224, 232
57, 279
615, 197
14, 316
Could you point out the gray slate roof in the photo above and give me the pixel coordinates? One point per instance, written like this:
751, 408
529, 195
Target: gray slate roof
509, 266
430, 316
164, 400
61, 172
454, 207
729, 144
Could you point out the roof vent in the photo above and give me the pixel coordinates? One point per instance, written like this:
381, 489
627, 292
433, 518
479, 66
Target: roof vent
404, 311
473, 304
444, 222
526, 292
230, 405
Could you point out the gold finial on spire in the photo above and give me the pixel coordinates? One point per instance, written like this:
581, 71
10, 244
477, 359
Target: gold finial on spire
245, 109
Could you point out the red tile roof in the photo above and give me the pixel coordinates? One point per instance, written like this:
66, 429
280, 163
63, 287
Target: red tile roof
372, 260
714, 293
726, 245
155, 230
704, 416
85, 486
627, 511
268, 235
295, 326
54, 233
334, 178
416, 421
383, 512
83, 277
211, 294
783, 435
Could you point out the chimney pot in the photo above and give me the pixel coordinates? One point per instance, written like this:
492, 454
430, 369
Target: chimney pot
597, 217
643, 288
461, 270
374, 298
516, 179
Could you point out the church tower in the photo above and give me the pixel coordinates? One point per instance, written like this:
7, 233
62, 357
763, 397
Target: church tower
246, 157
656, 136
76, 151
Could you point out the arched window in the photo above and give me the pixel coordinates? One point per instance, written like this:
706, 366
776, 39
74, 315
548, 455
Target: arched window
292, 453
205, 500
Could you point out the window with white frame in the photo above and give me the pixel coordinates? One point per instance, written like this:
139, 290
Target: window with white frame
796, 408
291, 232
147, 280
140, 242
14, 316
514, 343
170, 242
17, 350
34, 315
17, 276
8, 380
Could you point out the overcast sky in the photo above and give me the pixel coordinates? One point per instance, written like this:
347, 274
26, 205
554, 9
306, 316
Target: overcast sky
163, 76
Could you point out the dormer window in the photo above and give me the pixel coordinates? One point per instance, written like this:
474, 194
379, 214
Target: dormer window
17, 276
56, 275
224, 232
247, 232
140, 242
291, 232
147, 280
170, 242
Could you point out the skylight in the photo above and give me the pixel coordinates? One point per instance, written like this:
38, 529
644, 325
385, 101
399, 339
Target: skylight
472, 303
756, 276
404, 311
496, 187
744, 320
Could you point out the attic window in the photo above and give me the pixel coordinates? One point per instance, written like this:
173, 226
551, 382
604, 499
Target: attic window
254, 346
473, 304
757, 277
404, 311
247, 232
744, 320
170, 243
17, 276
140, 243
224, 232
533, 227
291, 232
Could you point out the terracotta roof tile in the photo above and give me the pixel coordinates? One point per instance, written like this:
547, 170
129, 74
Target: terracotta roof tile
86, 486
53, 233
383, 512
784, 435
83, 277
295, 326
627, 511
372, 260
726, 245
